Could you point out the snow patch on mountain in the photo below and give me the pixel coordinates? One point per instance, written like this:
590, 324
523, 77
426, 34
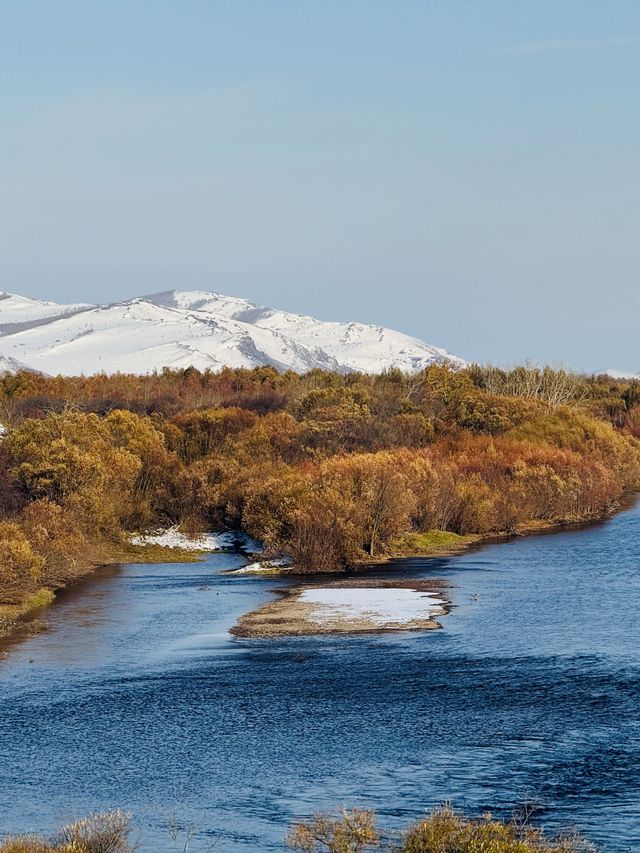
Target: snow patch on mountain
178, 329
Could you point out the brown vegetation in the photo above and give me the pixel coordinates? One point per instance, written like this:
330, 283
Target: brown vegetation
356, 831
107, 832
330, 469
444, 831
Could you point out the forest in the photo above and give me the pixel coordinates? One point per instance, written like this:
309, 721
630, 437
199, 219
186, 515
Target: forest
332, 470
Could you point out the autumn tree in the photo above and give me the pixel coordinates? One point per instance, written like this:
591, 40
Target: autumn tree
53, 533
71, 458
20, 567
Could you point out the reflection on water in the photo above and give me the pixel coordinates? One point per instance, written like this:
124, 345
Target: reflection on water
137, 696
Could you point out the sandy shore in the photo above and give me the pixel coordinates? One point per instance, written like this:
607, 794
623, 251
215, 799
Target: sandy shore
348, 607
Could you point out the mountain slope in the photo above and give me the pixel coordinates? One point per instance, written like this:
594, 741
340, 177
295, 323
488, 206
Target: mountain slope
356, 346
622, 374
204, 330
21, 312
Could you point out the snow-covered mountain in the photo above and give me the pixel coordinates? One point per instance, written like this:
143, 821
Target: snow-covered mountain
20, 312
622, 374
205, 330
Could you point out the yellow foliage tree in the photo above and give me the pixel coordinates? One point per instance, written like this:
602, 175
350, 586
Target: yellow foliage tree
71, 457
20, 567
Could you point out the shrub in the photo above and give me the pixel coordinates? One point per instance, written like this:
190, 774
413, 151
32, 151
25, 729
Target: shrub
20, 566
106, 832
53, 533
444, 831
25, 844
346, 832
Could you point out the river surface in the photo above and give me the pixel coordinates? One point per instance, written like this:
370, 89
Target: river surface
137, 696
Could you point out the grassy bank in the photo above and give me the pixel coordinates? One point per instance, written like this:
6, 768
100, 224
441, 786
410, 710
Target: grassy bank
14, 616
22, 618
444, 543
432, 543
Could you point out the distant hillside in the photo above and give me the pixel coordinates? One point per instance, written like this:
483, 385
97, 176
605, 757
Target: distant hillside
205, 330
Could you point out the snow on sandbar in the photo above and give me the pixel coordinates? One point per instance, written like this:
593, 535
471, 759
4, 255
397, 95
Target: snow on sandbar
173, 538
378, 605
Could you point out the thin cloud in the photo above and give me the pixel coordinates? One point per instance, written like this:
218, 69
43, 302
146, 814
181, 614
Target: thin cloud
572, 45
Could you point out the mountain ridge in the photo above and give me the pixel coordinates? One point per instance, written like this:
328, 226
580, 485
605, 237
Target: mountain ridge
203, 329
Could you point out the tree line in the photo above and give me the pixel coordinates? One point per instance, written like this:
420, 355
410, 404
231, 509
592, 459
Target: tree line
330, 469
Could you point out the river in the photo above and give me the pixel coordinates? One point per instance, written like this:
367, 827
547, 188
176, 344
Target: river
137, 696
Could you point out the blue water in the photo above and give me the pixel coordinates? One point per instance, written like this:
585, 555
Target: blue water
137, 696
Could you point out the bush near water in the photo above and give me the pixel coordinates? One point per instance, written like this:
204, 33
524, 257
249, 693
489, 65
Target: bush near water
443, 831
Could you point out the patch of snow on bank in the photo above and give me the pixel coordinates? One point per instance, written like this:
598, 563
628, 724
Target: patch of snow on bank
379, 605
248, 543
257, 568
173, 538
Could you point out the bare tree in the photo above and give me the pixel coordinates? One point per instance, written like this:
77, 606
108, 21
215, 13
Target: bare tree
554, 386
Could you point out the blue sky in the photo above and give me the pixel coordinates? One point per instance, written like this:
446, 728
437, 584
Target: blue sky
467, 172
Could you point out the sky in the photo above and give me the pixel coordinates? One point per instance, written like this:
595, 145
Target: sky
465, 172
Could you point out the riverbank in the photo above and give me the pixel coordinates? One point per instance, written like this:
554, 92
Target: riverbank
171, 546
22, 619
309, 609
442, 543
348, 607
162, 546
432, 543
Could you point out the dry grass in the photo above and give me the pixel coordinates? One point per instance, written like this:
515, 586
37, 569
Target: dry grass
444, 831
127, 553
356, 831
106, 832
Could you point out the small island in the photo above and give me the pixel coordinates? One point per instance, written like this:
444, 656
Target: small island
348, 607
